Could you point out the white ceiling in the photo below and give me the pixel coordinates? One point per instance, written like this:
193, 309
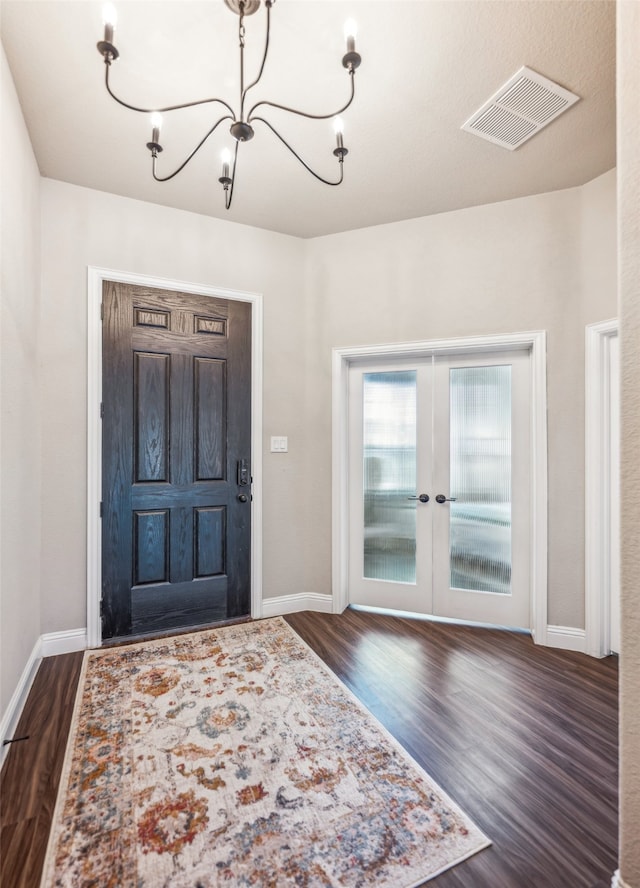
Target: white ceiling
427, 66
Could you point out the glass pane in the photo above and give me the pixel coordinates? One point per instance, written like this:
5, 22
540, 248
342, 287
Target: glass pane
480, 478
389, 454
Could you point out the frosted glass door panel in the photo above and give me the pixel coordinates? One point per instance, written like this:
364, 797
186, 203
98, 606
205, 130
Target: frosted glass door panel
389, 475
480, 478
482, 459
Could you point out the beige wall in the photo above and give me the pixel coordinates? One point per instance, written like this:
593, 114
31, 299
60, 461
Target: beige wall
20, 463
545, 262
83, 227
542, 262
629, 269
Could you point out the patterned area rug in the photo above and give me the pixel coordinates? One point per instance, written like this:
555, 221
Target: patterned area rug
235, 757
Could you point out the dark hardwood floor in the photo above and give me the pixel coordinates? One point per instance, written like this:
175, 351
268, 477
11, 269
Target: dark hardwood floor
31, 771
524, 738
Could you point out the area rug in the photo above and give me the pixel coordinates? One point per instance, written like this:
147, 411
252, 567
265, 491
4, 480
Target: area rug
235, 757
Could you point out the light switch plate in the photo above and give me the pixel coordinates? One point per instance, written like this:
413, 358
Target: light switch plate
279, 444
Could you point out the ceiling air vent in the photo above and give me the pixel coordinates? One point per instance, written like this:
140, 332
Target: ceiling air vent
520, 109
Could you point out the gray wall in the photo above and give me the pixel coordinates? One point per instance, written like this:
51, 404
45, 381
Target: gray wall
541, 262
545, 262
20, 462
83, 227
629, 268
521, 265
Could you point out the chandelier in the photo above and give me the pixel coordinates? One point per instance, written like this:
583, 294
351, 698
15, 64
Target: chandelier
241, 121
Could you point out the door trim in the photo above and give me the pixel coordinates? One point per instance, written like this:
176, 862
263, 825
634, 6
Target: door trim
597, 486
342, 358
95, 278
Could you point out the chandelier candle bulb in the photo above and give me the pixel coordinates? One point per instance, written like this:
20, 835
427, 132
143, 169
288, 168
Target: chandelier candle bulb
226, 160
350, 34
225, 179
351, 59
338, 127
105, 46
156, 124
109, 18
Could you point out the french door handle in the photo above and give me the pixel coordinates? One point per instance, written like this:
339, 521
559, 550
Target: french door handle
424, 497
441, 498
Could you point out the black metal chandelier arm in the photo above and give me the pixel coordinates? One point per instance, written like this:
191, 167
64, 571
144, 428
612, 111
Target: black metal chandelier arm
250, 116
168, 107
298, 158
228, 197
264, 60
191, 156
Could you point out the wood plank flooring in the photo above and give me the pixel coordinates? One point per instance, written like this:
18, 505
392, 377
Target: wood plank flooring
31, 771
524, 738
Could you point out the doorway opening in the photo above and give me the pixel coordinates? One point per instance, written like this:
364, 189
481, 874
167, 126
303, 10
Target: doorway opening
602, 489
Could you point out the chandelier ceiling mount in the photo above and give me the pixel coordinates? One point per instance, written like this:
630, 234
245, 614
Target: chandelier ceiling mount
240, 8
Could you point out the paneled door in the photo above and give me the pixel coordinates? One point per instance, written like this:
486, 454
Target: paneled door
440, 486
176, 446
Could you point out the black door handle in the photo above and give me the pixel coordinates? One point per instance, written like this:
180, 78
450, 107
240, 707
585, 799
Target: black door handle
242, 498
441, 498
424, 497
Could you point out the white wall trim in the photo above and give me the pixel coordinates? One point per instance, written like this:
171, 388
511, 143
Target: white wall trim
342, 358
11, 715
46, 646
567, 638
95, 278
618, 882
597, 487
300, 601
67, 642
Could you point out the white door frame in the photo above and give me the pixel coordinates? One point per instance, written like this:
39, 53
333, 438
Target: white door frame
597, 487
535, 342
95, 278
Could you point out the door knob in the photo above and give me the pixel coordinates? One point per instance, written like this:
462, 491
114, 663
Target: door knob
441, 498
242, 498
424, 497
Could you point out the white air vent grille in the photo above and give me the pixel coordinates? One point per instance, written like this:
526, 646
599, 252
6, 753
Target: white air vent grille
501, 125
520, 109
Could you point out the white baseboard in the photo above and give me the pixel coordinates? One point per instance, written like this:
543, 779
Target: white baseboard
13, 711
48, 645
54, 643
618, 882
567, 638
291, 604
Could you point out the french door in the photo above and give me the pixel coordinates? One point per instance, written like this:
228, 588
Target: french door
440, 486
